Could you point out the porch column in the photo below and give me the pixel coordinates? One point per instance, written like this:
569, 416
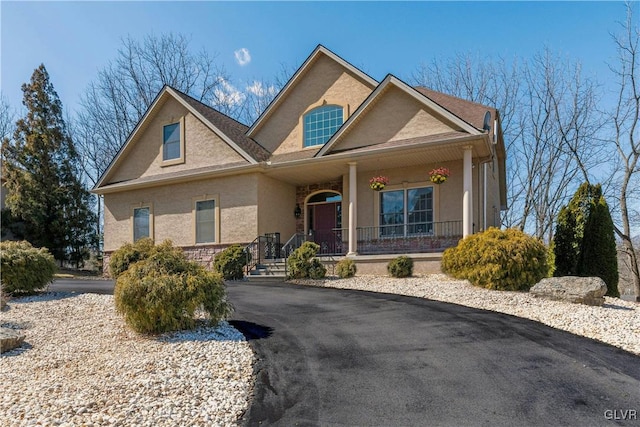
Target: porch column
467, 195
353, 203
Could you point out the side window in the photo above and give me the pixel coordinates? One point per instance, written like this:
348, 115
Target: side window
171, 142
141, 223
205, 221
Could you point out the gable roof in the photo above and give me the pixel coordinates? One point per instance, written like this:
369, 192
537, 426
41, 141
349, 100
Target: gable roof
319, 50
391, 80
469, 111
228, 129
234, 130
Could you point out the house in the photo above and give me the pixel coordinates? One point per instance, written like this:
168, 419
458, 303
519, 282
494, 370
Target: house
302, 171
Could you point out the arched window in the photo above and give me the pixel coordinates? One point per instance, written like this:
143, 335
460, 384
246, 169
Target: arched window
321, 123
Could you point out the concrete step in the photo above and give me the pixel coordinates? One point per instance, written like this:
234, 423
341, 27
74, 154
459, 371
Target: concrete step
265, 278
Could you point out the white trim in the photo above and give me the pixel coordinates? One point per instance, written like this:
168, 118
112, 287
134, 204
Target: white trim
379, 91
133, 136
216, 218
296, 77
142, 205
180, 159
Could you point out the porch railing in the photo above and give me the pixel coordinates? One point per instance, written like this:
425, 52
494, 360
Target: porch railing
263, 248
398, 239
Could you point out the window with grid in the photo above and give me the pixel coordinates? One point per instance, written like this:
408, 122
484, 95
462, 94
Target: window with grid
406, 212
321, 123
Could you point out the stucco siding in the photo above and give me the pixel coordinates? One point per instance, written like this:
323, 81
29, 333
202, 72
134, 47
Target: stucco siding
396, 116
276, 203
172, 208
447, 196
325, 82
202, 146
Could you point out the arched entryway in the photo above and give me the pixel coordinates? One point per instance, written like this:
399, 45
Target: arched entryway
324, 221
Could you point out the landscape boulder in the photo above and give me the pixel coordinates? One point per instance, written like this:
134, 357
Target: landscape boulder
582, 290
10, 339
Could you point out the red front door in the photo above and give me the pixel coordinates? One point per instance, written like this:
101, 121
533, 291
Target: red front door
324, 223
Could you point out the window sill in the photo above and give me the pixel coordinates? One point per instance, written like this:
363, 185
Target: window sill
172, 162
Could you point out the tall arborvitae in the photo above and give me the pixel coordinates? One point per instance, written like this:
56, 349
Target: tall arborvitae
565, 244
44, 191
598, 253
584, 242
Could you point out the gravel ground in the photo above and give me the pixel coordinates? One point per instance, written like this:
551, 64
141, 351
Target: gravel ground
617, 322
81, 366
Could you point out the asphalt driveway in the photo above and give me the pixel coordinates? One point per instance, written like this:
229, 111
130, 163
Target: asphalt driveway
330, 357
349, 358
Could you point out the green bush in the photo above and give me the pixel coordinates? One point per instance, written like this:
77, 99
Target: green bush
346, 268
584, 242
401, 266
598, 252
498, 259
317, 271
162, 292
128, 254
231, 262
25, 269
302, 263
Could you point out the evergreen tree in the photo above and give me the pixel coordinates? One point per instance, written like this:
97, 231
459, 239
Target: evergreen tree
565, 244
598, 254
570, 229
44, 191
584, 242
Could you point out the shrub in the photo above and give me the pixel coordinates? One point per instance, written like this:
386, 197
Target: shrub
346, 268
162, 292
25, 269
317, 271
598, 252
127, 254
584, 241
401, 266
302, 263
498, 259
231, 262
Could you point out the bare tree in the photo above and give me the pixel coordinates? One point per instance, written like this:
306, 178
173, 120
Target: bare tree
557, 147
114, 103
117, 99
625, 119
547, 117
7, 118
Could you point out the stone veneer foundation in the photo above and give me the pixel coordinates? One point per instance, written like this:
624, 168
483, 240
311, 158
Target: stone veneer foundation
202, 254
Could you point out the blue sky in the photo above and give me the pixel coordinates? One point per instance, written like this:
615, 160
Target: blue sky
76, 39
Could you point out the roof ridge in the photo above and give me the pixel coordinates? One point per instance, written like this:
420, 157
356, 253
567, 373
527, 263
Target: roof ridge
452, 96
208, 106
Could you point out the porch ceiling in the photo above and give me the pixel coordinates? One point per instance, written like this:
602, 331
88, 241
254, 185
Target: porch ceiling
333, 166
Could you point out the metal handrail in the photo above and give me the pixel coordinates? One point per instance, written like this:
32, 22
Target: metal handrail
249, 250
261, 248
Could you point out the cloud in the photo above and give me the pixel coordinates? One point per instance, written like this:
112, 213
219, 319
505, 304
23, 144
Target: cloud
243, 57
226, 95
258, 89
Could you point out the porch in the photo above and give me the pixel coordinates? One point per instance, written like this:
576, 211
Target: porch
389, 239
384, 240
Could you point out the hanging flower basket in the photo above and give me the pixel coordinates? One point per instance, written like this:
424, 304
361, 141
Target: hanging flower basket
439, 175
378, 183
